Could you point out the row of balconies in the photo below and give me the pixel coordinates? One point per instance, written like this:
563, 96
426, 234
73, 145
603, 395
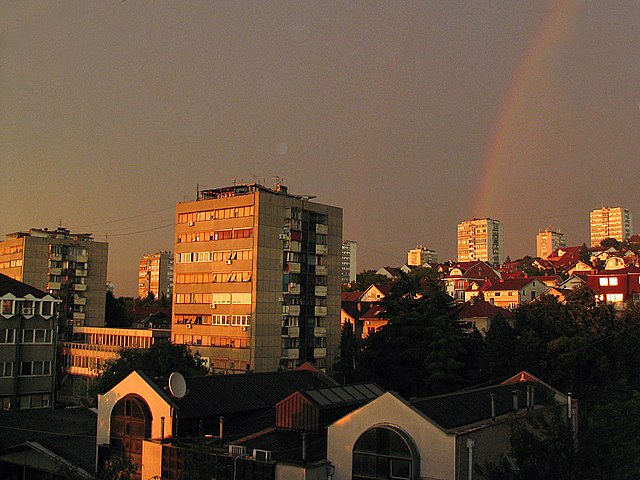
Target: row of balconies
294, 332
295, 246
78, 287
296, 289
294, 310
294, 353
295, 267
75, 273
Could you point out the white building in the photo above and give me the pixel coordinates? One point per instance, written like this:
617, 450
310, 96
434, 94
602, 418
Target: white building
349, 261
481, 239
421, 256
548, 242
610, 222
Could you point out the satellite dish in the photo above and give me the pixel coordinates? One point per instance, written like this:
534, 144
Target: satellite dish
177, 385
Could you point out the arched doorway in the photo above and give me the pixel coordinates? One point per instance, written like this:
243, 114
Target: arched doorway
385, 452
130, 424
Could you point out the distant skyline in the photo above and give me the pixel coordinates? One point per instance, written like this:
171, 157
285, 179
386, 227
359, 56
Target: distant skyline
411, 116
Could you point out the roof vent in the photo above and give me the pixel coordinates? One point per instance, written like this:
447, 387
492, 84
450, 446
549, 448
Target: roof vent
237, 450
262, 455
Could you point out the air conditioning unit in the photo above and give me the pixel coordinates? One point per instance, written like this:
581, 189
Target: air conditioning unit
282, 236
229, 262
262, 455
188, 325
213, 305
236, 450
192, 224
26, 311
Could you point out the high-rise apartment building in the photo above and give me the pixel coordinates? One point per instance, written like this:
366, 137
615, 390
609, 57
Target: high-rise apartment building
614, 222
481, 239
257, 278
349, 261
155, 275
421, 256
70, 266
549, 241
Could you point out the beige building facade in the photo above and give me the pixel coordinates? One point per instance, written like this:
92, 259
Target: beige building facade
71, 267
481, 239
257, 278
549, 241
421, 256
155, 275
610, 222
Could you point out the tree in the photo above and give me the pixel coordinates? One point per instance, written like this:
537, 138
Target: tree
367, 278
420, 350
116, 314
610, 242
161, 359
349, 348
542, 448
117, 469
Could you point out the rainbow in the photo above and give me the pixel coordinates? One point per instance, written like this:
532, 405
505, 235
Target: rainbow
554, 28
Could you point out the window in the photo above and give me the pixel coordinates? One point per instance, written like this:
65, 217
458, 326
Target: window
6, 369
385, 453
608, 281
7, 307
8, 335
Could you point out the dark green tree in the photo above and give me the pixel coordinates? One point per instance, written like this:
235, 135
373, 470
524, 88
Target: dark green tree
116, 314
366, 278
161, 359
345, 368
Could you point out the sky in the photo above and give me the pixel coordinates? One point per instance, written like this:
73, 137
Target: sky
412, 116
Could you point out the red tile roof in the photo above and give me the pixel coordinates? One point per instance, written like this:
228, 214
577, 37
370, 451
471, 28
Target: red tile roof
481, 309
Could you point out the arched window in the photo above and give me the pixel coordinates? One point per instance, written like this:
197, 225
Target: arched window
130, 424
384, 452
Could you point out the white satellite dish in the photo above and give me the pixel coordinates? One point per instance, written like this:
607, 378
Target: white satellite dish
177, 385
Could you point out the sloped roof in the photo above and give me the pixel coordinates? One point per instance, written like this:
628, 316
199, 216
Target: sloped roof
351, 296
66, 432
482, 271
481, 309
376, 311
339, 395
509, 284
468, 407
19, 289
356, 309
212, 396
286, 446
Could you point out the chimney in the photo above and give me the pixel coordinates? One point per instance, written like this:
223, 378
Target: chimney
221, 429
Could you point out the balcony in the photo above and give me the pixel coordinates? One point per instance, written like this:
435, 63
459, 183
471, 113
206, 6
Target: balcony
321, 291
293, 267
320, 332
79, 258
54, 286
321, 249
78, 300
291, 353
321, 270
55, 271
81, 273
56, 257
293, 289
293, 246
292, 310
291, 332
78, 315
319, 353
322, 229
320, 311
80, 287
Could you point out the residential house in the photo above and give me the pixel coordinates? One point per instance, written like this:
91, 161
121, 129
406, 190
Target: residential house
478, 313
512, 293
464, 276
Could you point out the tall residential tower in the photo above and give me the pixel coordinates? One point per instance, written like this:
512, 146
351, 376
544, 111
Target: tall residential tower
349, 261
257, 278
481, 239
155, 275
549, 241
610, 222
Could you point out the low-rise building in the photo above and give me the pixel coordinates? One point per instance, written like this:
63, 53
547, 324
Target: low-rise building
514, 292
28, 338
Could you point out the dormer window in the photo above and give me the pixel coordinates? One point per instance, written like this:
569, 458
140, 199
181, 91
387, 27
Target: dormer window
7, 307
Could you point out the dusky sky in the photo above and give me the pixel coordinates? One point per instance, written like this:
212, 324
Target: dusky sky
412, 116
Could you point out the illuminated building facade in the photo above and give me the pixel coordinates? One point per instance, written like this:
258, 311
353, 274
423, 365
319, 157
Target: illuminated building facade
257, 278
481, 239
614, 222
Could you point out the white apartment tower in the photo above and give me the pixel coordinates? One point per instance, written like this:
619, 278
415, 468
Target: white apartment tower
421, 256
610, 222
155, 275
257, 279
481, 239
349, 259
549, 241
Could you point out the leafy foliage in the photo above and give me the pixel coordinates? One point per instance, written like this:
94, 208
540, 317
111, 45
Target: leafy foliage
161, 359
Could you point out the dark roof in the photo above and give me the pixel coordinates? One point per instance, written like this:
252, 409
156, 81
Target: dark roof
356, 309
468, 407
351, 296
375, 312
481, 309
286, 445
510, 284
69, 433
19, 289
224, 394
330, 397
